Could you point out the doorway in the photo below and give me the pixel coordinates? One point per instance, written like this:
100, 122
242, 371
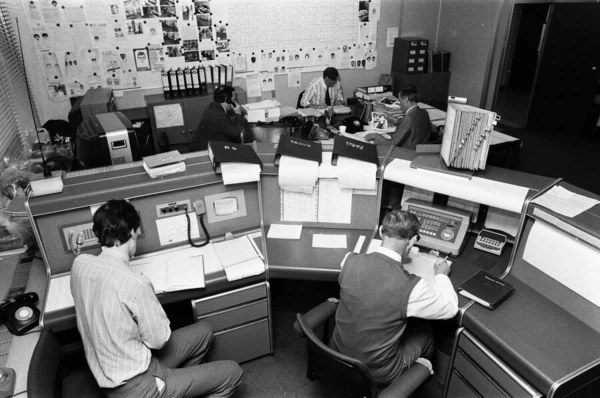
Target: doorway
520, 64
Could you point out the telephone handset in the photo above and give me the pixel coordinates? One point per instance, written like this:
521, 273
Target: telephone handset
231, 102
20, 314
442, 228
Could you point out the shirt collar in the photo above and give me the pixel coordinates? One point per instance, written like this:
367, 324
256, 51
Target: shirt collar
117, 255
410, 109
390, 253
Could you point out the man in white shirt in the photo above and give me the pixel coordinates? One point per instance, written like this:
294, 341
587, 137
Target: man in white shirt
377, 298
324, 91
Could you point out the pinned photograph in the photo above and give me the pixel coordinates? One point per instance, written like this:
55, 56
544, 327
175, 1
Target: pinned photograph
190, 45
202, 7
174, 51
363, 11
205, 33
222, 46
221, 32
191, 56
203, 20
140, 56
207, 55
379, 121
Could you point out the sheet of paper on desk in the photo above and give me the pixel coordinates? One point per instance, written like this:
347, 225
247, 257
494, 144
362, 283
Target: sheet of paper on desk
306, 112
271, 103
329, 241
335, 203
568, 261
235, 251
235, 173
353, 173
248, 268
285, 231
565, 202
59, 294
297, 175
421, 264
256, 115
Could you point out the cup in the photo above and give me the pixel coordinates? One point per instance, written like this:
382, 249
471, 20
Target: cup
342, 129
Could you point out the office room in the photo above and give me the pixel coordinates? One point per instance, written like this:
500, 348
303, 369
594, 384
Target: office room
245, 254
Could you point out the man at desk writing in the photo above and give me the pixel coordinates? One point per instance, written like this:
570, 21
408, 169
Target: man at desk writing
377, 298
413, 129
324, 91
126, 336
223, 120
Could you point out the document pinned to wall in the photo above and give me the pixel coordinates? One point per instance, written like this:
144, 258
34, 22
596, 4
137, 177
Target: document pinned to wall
253, 86
294, 77
565, 202
392, 33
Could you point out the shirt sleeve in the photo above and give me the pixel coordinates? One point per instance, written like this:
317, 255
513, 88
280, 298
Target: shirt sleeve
433, 302
340, 95
150, 317
231, 126
310, 97
400, 135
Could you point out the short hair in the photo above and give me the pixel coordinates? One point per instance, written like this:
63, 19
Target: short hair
331, 73
223, 93
409, 92
400, 224
114, 221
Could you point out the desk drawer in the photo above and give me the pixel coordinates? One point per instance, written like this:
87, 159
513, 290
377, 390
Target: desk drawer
230, 299
486, 373
242, 343
236, 316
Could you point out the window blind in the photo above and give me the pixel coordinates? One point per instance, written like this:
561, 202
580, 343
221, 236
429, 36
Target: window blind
15, 108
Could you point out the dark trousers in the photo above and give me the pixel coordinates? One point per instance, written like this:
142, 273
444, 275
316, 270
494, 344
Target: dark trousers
179, 366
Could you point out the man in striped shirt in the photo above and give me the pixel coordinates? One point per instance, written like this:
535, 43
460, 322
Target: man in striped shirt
126, 336
324, 91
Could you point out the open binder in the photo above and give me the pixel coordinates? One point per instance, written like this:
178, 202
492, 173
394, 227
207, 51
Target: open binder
350, 148
225, 152
298, 148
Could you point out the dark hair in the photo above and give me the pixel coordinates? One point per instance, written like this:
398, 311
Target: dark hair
114, 221
400, 224
409, 92
223, 93
331, 73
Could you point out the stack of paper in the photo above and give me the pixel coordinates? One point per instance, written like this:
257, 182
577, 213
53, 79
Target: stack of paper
164, 163
239, 258
341, 110
467, 136
356, 174
298, 175
172, 271
236, 173
48, 185
306, 112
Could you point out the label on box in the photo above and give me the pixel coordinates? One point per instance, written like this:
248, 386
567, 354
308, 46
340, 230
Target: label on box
411, 60
412, 52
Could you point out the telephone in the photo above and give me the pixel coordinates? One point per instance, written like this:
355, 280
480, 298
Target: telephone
7, 382
443, 228
231, 102
20, 314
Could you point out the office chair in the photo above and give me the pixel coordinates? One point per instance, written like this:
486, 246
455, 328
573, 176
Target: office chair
348, 376
298, 105
266, 132
48, 376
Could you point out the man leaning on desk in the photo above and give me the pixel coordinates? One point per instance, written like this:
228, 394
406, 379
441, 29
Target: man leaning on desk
324, 91
413, 129
376, 320
128, 343
223, 120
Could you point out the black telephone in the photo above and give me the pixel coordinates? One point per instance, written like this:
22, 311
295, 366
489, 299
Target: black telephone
231, 102
20, 314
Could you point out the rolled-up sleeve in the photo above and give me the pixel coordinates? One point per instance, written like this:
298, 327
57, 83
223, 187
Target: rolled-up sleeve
435, 301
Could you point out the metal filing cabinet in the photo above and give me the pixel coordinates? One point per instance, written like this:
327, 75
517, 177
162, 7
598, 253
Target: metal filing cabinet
476, 372
240, 320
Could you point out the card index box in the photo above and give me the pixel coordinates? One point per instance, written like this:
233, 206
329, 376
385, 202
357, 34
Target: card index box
354, 149
486, 289
219, 152
298, 148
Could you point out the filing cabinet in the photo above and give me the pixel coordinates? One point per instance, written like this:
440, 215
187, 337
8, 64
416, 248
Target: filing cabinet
241, 321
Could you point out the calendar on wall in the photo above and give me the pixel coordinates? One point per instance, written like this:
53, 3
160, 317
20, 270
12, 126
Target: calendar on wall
125, 44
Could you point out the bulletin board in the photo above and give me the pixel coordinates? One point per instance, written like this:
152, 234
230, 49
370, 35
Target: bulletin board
125, 44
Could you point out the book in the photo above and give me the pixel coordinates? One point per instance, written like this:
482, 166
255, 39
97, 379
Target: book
350, 148
173, 271
298, 148
195, 81
202, 79
224, 152
181, 82
229, 78
187, 78
164, 163
48, 185
166, 84
209, 79
486, 289
173, 83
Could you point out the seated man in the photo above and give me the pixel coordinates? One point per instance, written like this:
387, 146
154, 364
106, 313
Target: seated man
324, 91
413, 129
126, 336
223, 120
377, 298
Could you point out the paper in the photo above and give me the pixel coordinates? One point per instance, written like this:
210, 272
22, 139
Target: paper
329, 241
59, 294
353, 173
563, 258
285, 231
421, 264
335, 203
175, 229
565, 202
298, 206
253, 86
359, 244
235, 251
168, 116
502, 220
298, 175
248, 268
488, 192
326, 169
392, 33
235, 173
262, 105
256, 115
212, 264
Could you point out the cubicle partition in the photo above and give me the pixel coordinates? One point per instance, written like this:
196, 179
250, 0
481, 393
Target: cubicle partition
63, 226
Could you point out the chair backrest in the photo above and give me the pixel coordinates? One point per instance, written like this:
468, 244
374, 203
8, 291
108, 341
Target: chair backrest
44, 368
298, 105
345, 375
266, 132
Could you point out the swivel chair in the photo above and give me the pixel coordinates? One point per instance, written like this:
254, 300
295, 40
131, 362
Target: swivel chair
48, 376
299, 105
345, 375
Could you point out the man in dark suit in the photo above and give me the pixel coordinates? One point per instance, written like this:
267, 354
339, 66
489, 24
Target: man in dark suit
223, 120
413, 129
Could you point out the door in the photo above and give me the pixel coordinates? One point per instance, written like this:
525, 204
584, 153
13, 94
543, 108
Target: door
566, 80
